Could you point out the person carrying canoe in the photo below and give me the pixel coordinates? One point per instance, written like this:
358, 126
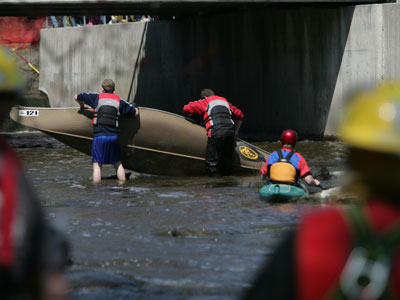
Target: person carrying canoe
349, 252
222, 130
33, 254
286, 165
107, 109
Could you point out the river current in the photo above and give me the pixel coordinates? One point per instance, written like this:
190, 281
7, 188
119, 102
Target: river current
161, 237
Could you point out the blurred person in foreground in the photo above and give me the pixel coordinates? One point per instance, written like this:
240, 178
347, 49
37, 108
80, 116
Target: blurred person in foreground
32, 253
349, 252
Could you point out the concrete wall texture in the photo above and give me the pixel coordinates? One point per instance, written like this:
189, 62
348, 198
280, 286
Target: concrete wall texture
370, 57
284, 66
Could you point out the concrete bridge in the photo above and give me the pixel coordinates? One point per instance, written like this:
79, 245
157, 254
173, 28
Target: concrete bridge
148, 7
286, 65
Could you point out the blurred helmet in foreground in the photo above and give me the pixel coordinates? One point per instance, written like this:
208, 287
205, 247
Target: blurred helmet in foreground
371, 127
372, 120
11, 80
289, 137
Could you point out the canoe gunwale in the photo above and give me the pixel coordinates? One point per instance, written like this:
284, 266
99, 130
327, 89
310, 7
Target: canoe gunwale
136, 147
127, 145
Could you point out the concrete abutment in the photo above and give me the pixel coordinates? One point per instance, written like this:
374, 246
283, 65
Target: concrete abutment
284, 66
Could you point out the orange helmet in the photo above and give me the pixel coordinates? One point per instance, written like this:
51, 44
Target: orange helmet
289, 137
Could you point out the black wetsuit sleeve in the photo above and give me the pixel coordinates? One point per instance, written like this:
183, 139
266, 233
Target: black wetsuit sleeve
275, 281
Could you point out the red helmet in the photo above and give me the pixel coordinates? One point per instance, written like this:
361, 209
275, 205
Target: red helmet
289, 137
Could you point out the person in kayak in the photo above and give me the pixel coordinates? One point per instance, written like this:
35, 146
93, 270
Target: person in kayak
33, 253
341, 252
286, 165
223, 121
107, 109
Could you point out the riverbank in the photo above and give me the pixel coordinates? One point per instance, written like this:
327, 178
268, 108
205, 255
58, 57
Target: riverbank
30, 139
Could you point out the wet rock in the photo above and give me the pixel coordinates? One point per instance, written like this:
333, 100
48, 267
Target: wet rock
188, 232
95, 279
325, 174
334, 194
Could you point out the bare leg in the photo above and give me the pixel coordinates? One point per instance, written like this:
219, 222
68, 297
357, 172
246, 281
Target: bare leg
55, 286
96, 172
120, 171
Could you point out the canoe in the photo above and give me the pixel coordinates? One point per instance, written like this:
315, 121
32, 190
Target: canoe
281, 192
157, 142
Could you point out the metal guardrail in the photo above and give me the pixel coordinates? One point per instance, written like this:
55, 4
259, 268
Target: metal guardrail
71, 21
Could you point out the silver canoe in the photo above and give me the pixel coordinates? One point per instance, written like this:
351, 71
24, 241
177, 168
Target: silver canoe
157, 142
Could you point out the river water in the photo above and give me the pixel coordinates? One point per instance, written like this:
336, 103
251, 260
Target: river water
165, 237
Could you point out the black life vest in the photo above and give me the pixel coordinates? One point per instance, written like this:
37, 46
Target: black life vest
220, 117
368, 268
107, 111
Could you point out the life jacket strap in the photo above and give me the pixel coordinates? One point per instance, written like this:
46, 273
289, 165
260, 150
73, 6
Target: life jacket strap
287, 158
368, 267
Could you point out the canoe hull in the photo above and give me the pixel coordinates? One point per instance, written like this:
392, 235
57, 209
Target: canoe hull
157, 142
281, 192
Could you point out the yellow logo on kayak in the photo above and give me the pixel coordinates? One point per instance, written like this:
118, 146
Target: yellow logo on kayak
248, 152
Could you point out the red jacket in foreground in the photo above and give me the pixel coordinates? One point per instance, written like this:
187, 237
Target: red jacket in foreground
310, 260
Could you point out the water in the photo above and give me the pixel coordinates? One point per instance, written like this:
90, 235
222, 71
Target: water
166, 237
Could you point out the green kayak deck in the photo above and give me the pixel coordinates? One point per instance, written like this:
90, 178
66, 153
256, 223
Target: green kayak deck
281, 192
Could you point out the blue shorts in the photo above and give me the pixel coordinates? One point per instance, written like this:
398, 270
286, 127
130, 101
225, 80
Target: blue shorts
106, 149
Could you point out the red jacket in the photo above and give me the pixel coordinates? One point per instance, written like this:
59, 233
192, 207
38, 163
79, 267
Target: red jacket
324, 242
308, 263
201, 107
29, 247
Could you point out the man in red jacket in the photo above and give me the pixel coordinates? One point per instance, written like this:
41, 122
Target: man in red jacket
218, 115
338, 253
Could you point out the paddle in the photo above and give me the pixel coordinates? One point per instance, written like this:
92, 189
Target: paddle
25, 60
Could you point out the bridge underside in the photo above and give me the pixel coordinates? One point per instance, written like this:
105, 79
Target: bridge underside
150, 7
